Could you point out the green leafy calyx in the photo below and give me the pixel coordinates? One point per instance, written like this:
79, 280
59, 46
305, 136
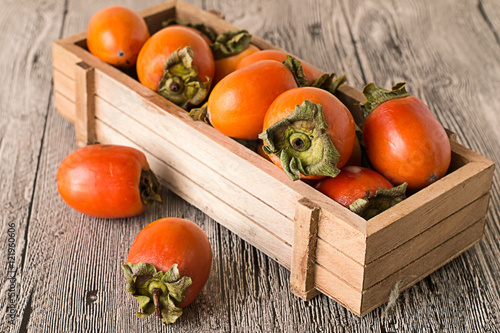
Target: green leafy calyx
230, 43
180, 83
155, 291
301, 143
383, 199
376, 95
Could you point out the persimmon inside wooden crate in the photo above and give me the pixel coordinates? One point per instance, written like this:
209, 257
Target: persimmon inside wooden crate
327, 248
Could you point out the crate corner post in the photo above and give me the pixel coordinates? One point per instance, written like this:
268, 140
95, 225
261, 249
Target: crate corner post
85, 104
302, 275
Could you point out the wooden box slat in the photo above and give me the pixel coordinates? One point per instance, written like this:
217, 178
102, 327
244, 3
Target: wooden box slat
411, 250
357, 263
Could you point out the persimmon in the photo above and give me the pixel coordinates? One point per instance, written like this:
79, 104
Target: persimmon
116, 35
363, 191
311, 73
178, 64
404, 140
168, 264
108, 181
309, 133
238, 103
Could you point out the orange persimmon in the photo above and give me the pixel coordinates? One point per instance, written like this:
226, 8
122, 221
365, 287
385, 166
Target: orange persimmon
309, 132
404, 141
238, 103
178, 63
167, 266
116, 35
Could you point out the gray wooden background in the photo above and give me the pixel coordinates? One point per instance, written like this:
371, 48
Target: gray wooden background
63, 274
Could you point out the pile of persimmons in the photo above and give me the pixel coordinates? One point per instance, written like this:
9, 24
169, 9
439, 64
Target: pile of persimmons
286, 107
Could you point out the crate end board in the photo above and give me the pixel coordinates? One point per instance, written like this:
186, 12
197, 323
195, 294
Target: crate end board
326, 238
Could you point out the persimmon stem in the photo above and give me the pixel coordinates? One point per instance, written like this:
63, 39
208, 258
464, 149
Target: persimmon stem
156, 300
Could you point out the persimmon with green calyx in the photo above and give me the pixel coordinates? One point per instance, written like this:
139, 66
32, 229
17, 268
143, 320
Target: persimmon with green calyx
364, 191
178, 64
228, 49
116, 35
309, 133
167, 266
404, 140
108, 181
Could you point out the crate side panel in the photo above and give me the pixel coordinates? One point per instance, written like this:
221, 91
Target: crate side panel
425, 242
64, 60
208, 202
425, 265
337, 262
197, 170
344, 238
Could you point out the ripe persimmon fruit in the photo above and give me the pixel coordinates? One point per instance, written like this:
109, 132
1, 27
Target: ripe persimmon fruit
309, 133
364, 191
108, 181
167, 266
404, 141
238, 103
178, 64
116, 35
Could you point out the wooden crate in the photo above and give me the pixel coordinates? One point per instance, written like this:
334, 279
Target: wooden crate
327, 248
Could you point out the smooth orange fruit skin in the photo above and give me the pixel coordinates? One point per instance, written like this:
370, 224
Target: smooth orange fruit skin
156, 50
406, 143
352, 183
116, 34
341, 127
103, 180
228, 65
239, 102
310, 72
170, 241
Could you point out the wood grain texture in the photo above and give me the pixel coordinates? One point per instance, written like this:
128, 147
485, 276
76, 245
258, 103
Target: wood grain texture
68, 277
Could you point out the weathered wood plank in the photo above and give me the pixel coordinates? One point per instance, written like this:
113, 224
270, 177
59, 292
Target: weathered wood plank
445, 50
403, 255
417, 270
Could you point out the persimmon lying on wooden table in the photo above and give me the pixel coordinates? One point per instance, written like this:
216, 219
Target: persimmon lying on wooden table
108, 181
167, 266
